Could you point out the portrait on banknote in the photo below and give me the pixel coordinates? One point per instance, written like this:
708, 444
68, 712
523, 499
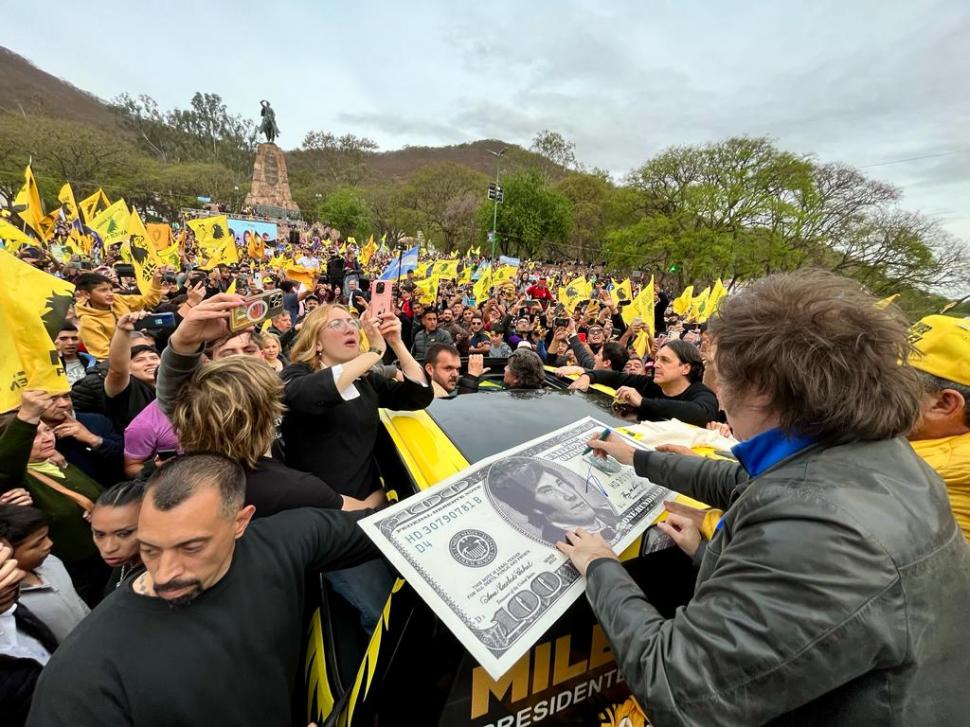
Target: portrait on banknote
479, 547
543, 499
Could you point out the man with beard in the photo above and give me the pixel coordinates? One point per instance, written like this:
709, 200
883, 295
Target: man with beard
180, 643
443, 367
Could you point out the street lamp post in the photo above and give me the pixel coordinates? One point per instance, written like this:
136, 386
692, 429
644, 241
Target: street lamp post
496, 194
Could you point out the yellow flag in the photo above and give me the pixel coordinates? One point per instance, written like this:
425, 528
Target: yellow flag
482, 285
49, 223
68, 203
256, 249
160, 234
886, 302
427, 290
143, 253
641, 307
13, 238
698, 306
641, 344
368, 250
717, 293
445, 269
622, 291
90, 206
278, 262
681, 304
231, 290
506, 274
32, 308
170, 255
466, 275
216, 245
111, 225
29, 196
299, 273
422, 270
575, 291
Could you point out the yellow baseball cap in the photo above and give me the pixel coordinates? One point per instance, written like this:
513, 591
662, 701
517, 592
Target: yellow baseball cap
943, 347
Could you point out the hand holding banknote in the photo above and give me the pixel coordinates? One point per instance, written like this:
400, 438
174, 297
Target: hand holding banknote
583, 547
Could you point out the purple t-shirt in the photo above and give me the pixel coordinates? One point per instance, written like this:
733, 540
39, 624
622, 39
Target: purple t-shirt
149, 433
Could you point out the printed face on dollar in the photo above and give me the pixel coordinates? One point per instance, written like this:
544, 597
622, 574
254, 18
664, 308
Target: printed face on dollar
542, 500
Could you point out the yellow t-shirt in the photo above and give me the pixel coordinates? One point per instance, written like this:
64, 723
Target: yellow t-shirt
950, 457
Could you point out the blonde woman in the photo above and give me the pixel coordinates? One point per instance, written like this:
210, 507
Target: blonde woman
232, 407
331, 421
269, 346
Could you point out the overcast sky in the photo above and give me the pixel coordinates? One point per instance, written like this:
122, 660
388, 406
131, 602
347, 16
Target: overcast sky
882, 86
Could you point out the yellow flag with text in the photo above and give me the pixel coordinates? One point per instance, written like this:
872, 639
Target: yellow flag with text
111, 224
33, 305
29, 197
642, 308
91, 206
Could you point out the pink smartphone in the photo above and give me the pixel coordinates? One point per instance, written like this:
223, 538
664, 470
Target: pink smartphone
380, 300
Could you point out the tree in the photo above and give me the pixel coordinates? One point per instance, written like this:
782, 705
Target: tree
533, 221
345, 209
557, 149
445, 198
340, 159
205, 131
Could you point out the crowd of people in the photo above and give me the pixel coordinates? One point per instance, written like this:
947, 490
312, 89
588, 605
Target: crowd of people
158, 519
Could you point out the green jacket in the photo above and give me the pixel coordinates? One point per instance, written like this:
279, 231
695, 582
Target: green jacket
69, 531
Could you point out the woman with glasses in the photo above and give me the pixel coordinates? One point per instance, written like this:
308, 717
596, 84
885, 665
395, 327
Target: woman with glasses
330, 427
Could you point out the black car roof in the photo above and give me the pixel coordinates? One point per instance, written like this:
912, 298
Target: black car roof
488, 422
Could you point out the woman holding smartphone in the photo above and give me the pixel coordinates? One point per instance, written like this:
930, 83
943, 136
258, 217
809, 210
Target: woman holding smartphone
330, 427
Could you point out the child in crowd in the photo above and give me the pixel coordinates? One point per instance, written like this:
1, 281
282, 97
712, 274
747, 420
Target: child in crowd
46, 589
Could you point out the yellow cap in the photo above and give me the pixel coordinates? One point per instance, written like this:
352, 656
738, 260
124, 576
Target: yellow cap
943, 347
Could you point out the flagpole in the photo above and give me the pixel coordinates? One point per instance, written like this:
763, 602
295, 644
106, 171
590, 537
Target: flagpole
397, 292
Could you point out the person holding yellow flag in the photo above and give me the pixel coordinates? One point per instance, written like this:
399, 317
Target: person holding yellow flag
99, 308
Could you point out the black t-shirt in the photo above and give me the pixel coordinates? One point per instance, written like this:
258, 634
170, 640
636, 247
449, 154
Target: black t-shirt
333, 435
228, 658
128, 404
273, 487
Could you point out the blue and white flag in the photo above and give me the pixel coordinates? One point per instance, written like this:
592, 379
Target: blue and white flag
408, 261
506, 260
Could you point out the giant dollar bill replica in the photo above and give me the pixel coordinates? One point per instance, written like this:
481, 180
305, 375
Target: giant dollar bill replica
479, 547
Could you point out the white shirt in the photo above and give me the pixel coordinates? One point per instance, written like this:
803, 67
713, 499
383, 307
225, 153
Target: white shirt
18, 644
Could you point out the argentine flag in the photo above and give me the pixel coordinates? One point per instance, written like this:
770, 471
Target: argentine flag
408, 262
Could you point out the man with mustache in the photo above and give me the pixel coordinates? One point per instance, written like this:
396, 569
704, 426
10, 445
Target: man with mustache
211, 632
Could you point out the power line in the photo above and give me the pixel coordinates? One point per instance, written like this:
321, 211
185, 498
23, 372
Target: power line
915, 159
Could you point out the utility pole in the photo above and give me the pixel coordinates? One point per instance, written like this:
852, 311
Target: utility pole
497, 195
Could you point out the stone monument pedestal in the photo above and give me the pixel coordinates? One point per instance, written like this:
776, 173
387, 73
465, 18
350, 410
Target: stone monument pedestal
270, 191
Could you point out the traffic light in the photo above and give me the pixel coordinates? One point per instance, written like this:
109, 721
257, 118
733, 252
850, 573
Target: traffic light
496, 192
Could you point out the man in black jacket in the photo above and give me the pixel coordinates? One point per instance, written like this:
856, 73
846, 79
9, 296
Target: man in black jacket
211, 632
835, 588
674, 392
